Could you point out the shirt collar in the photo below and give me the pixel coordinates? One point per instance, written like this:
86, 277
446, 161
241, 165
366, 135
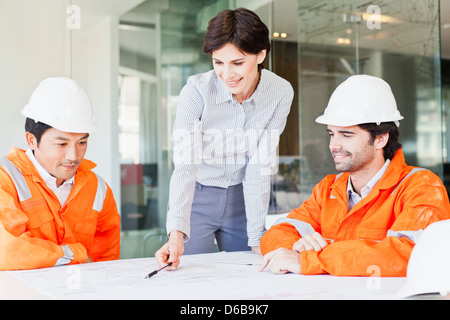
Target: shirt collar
372, 182
42, 172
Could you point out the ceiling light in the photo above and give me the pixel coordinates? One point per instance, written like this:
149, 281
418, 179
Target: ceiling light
279, 35
343, 41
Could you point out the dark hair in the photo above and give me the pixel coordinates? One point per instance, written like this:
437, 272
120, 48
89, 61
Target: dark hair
385, 127
36, 128
242, 28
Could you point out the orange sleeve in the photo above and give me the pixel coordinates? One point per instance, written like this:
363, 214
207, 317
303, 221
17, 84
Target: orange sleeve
280, 236
387, 258
107, 236
284, 235
25, 252
18, 248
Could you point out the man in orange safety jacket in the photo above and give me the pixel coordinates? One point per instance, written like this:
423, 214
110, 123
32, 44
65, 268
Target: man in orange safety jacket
367, 218
53, 209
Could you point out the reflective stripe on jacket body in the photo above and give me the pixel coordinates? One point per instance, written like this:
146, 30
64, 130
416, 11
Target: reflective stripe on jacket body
34, 226
377, 234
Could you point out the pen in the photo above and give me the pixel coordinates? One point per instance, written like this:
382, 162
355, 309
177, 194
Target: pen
151, 274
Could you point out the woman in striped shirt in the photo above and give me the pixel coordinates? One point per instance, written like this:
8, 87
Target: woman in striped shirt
226, 133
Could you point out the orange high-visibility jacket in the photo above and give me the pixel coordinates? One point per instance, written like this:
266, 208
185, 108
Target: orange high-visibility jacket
34, 226
377, 235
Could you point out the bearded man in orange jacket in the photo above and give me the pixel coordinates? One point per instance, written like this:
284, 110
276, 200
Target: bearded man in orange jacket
53, 209
368, 217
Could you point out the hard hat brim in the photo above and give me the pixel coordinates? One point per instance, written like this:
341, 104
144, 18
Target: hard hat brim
71, 127
348, 122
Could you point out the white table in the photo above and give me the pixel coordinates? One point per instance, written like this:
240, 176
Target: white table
221, 276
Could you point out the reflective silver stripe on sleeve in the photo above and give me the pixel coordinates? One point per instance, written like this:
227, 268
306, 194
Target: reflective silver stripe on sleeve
100, 195
411, 235
67, 258
19, 181
410, 173
303, 228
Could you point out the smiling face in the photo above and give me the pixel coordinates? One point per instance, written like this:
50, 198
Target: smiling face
354, 150
60, 153
238, 70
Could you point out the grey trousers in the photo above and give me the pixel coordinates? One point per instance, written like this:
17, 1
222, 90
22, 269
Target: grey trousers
217, 213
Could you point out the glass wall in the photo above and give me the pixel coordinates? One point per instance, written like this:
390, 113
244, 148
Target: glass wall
315, 45
318, 44
445, 72
396, 40
160, 41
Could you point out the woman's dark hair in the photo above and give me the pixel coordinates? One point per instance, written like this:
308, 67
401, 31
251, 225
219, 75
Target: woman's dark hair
385, 127
36, 128
242, 28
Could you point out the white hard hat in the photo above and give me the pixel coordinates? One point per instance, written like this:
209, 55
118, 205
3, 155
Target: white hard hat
361, 99
429, 264
62, 104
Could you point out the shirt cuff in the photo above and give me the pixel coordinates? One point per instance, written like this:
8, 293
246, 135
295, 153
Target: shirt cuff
67, 258
254, 238
179, 224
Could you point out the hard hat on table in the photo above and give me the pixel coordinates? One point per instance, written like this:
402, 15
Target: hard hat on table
429, 264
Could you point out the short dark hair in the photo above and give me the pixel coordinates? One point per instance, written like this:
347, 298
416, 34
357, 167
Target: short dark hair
242, 28
36, 128
385, 127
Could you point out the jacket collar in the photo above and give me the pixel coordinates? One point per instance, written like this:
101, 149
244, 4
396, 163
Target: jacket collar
389, 179
391, 176
394, 171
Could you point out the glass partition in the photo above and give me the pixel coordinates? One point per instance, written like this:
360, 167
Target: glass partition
183, 26
396, 40
315, 45
160, 47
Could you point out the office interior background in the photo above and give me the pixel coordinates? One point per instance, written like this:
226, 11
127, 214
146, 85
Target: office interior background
134, 56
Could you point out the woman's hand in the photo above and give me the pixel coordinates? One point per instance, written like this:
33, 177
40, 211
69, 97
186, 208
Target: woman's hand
171, 251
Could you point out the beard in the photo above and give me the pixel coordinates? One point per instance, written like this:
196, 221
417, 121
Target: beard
353, 161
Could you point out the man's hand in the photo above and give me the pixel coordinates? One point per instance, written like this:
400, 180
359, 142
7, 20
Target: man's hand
171, 251
313, 242
282, 261
88, 260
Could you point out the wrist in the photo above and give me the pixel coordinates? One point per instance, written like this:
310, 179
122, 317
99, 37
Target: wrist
79, 252
176, 235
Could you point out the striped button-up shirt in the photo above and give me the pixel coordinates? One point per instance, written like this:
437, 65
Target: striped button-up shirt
220, 142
